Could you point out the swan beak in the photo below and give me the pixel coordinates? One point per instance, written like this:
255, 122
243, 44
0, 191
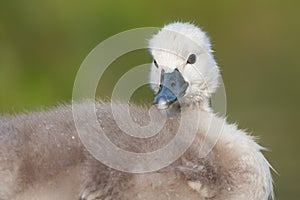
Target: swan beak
172, 87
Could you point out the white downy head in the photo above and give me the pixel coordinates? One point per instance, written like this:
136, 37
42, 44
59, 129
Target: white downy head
184, 48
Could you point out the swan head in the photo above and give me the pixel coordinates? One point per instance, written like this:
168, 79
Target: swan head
183, 68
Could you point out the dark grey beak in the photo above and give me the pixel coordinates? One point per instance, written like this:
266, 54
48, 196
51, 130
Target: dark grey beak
172, 87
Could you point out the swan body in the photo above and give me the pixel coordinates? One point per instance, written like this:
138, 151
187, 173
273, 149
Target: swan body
42, 156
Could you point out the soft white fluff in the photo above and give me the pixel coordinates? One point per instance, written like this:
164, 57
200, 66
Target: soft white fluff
171, 48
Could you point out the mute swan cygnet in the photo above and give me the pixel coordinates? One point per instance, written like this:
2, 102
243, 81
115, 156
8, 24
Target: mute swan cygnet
42, 157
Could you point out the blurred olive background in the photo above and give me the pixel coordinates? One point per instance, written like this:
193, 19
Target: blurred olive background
256, 43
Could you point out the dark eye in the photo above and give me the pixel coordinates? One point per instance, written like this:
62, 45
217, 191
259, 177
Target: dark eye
155, 63
191, 59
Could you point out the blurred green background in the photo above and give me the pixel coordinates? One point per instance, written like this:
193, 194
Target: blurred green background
256, 43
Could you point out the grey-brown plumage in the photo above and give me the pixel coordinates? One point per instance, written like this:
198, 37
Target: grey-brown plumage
39, 150
42, 158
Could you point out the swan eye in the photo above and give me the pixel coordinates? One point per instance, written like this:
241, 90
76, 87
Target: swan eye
155, 63
191, 59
